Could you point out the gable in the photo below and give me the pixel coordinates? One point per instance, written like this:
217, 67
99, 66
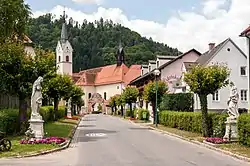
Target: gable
223, 46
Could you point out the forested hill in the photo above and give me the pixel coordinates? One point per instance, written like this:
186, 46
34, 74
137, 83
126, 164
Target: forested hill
95, 43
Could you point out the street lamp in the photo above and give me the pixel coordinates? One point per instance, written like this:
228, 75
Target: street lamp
156, 73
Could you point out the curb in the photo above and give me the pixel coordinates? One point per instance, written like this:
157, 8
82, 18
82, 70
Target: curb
240, 157
64, 145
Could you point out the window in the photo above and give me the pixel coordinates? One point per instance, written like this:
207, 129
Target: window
243, 95
216, 96
89, 95
149, 68
118, 87
158, 63
141, 71
105, 95
59, 59
243, 70
67, 58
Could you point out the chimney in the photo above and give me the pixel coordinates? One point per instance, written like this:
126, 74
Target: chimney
211, 46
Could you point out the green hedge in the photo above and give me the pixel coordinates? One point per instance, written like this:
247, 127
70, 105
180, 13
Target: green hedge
140, 113
192, 121
244, 129
9, 117
178, 102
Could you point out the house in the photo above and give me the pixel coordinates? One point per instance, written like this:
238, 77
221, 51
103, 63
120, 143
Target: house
229, 53
98, 84
246, 35
170, 72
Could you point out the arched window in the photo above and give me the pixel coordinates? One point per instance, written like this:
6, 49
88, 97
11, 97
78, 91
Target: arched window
67, 58
89, 95
105, 95
59, 59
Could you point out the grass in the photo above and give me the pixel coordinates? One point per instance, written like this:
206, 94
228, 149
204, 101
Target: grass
59, 129
141, 121
233, 147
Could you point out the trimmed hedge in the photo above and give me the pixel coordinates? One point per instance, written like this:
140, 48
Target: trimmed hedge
182, 102
9, 117
244, 129
140, 113
192, 121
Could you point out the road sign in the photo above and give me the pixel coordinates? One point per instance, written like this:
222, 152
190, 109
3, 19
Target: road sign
95, 135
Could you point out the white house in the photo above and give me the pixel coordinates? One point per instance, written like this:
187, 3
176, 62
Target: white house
229, 53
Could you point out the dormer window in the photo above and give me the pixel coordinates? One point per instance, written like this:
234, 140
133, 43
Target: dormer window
67, 58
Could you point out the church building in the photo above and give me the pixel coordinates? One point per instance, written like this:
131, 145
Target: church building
98, 84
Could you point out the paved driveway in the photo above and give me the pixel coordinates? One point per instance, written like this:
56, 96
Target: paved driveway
109, 141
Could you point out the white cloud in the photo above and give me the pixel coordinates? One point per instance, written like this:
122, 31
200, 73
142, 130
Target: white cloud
98, 2
185, 31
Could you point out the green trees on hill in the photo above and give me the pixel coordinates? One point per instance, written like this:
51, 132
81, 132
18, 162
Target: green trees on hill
95, 44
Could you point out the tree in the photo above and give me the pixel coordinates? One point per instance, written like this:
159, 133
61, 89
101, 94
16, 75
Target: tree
14, 16
76, 95
19, 71
57, 88
129, 96
204, 81
118, 101
112, 103
149, 93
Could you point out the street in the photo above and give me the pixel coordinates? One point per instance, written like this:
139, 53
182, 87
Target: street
102, 140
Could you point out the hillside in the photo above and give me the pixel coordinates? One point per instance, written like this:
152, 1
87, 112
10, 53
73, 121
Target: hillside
95, 43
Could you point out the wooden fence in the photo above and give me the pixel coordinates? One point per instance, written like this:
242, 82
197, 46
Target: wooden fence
7, 101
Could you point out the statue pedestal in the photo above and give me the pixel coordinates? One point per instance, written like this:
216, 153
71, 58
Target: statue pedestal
36, 126
69, 114
231, 133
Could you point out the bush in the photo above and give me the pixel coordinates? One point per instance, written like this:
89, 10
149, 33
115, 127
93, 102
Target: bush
140, 113
192, 121
178, 102
244, 129
8, 120
128, 113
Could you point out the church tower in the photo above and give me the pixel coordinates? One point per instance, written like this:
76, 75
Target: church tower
64, 52
120, 55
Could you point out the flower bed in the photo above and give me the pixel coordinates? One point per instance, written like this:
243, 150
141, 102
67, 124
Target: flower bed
49, 140
215, 140
72, 118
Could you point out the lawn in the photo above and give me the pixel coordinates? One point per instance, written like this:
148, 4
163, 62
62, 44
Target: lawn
233, 147
58, 129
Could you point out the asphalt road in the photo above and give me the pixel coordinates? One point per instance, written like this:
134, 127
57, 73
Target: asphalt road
109, 141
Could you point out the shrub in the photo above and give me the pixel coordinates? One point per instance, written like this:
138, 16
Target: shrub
178, 102
244, 129
192, 121
8, 120
140, 113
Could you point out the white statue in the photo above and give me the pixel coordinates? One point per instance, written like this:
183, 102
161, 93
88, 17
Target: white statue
233, 103
36, 99
69, 109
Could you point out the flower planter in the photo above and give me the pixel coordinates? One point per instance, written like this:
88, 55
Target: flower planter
215, 140
49, 140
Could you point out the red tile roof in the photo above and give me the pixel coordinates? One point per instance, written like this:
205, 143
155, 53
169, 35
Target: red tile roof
246, 31
110, 74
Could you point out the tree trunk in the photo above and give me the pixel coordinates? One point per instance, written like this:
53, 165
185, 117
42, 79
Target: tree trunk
131, 110
55, 115
203, 101
22, 124
115, 110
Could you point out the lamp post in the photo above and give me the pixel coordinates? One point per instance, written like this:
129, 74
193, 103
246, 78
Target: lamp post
156, 73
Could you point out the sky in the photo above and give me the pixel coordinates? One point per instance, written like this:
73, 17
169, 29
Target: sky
182, 24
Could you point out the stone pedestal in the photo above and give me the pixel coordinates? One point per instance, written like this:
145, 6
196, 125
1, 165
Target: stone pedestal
36, 125
231, 133
69, 114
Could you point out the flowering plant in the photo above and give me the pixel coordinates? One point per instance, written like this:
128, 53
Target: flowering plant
215, 140
49, 140
73, 118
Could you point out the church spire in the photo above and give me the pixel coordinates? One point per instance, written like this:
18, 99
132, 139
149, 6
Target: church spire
120, 55
64, 35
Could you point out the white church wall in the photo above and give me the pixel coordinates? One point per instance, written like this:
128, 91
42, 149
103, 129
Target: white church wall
110, 89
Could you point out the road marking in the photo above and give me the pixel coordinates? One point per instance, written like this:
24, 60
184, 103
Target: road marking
95, 135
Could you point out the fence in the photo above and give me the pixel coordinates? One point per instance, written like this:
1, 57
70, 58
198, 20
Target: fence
7, 101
